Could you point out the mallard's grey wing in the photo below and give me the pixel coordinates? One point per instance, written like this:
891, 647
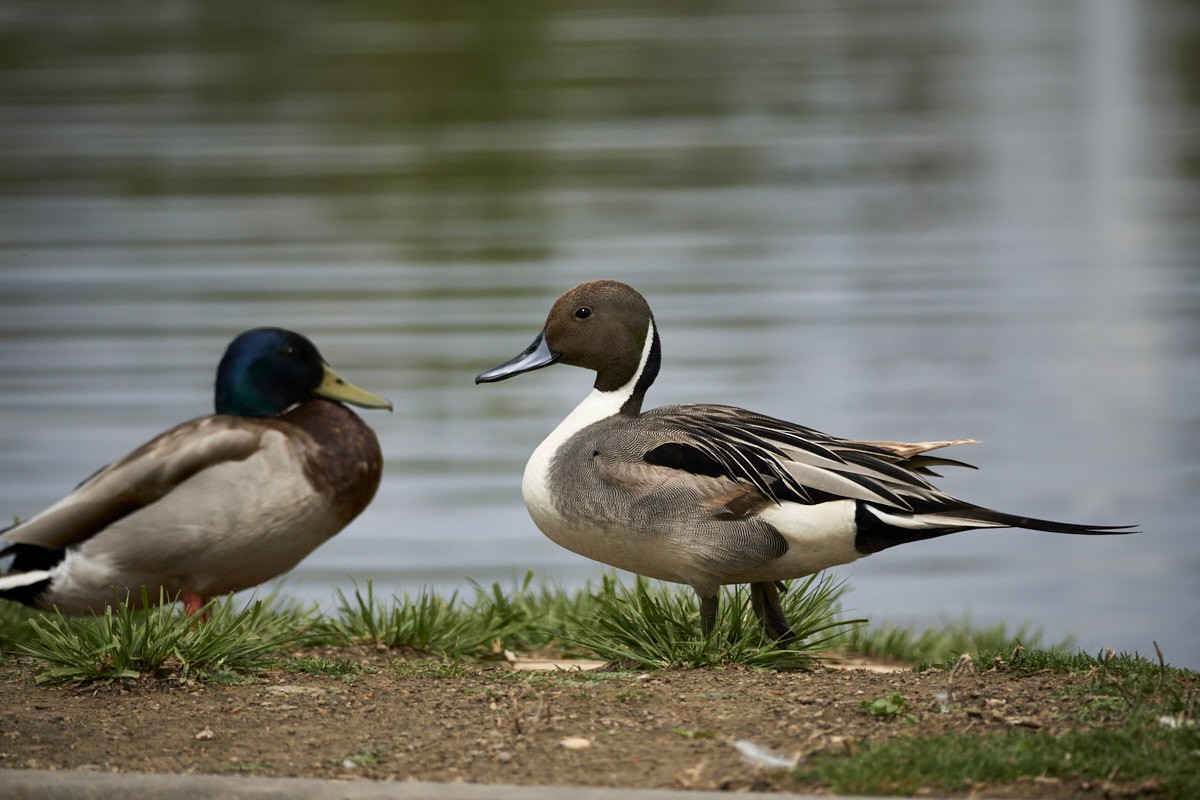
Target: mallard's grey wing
139, 479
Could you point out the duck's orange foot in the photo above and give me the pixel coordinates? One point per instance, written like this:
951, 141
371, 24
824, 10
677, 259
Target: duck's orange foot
192, 602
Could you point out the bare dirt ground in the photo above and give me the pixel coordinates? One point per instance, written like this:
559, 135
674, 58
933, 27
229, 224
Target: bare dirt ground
409, 720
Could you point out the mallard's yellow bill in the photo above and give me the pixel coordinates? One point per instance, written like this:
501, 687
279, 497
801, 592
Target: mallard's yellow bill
334, 387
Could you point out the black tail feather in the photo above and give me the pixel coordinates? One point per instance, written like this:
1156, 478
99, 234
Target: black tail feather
873, 534
28, 558
987, 515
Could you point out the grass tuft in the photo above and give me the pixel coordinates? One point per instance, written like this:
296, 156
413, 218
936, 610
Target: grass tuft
428, 623
945, 642
657, 626
127, 643
533, 618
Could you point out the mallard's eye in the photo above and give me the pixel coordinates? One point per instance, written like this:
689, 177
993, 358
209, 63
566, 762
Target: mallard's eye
289, 351
583, 312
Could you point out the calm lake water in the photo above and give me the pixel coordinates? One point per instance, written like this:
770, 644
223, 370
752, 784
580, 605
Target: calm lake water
888, 221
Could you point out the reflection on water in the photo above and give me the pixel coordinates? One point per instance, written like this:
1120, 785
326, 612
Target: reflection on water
937, 221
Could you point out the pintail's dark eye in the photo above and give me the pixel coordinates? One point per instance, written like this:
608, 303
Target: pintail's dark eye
583, 312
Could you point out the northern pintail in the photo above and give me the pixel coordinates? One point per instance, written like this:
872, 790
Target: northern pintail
708, 495
214, 505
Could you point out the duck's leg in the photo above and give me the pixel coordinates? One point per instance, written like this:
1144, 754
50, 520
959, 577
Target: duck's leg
708, 614
764, 598
192, 603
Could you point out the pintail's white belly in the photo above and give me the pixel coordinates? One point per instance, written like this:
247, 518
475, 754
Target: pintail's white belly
609, 541
535, 483
613, 542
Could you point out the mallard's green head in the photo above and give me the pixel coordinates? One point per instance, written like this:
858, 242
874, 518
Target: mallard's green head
265, 371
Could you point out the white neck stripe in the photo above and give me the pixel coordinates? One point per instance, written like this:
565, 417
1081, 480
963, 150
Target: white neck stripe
600, 405
626, 391
597, 406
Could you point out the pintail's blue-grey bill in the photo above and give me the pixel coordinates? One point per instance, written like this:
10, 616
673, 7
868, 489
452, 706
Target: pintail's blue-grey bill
536, 356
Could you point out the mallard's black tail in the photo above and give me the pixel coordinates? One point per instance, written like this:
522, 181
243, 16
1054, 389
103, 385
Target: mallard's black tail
29, 572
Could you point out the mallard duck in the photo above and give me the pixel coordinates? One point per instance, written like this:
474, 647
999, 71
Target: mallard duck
217, 504
709, 495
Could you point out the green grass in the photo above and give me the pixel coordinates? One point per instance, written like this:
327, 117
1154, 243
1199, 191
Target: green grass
1145, 734
436, 670
892, 704
339, 669
14, 624
644, 625
444, 627
649, 624
657, 626
1123, 685
126, 643
951, 762
945, 641
533, 618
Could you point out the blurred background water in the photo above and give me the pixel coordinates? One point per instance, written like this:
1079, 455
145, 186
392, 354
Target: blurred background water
885, 220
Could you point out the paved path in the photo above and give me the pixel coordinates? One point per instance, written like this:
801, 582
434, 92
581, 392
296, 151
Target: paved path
67, 785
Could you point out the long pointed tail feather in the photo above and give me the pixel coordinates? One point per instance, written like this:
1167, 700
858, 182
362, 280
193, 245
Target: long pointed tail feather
879, 528
997, 519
